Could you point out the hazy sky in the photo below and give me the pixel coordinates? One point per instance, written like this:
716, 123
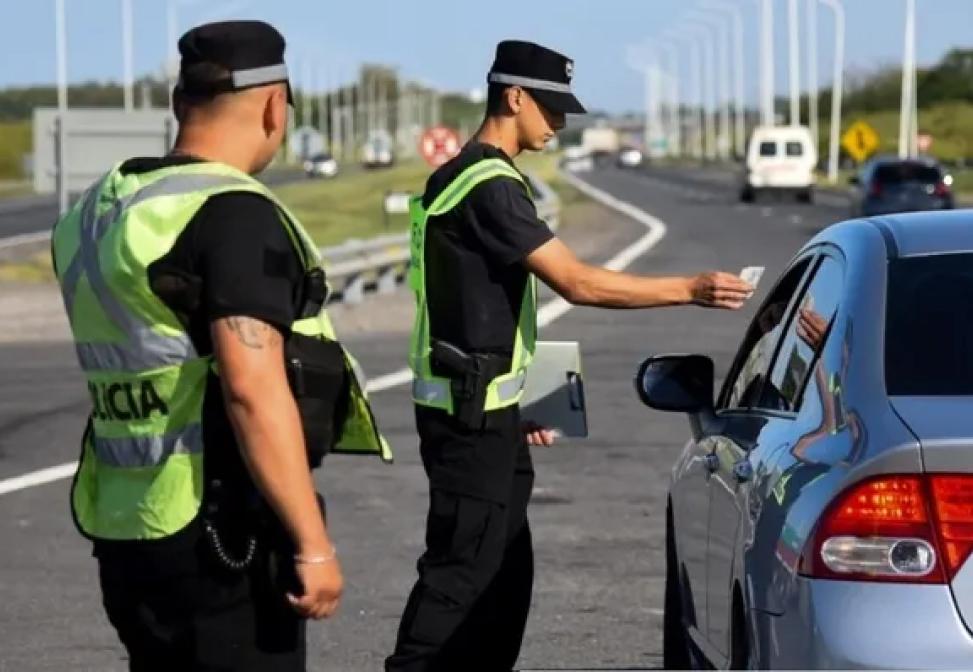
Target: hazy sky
450, 43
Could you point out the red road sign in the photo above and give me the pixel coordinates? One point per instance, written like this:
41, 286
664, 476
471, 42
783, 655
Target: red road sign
438, 145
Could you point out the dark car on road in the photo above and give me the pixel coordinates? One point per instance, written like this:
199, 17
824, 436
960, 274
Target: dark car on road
890, 185
821, 512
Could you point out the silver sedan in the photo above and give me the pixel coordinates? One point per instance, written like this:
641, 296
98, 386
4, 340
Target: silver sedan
821, 514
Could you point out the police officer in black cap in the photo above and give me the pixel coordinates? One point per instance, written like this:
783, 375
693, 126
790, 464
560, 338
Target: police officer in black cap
231, 588
477, 244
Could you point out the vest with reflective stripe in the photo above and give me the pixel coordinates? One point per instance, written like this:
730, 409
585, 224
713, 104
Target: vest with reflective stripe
435, 391
141, 468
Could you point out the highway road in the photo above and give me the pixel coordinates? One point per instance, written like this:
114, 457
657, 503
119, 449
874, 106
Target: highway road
597, 513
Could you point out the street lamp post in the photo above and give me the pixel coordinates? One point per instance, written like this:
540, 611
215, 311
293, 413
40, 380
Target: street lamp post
793, 47
724, 142
767, 116
696, 66
128, 76
739, 112
675, 116
812, 68
836, 90
907, 108
703, 30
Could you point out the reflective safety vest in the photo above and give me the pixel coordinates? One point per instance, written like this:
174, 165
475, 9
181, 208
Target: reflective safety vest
435, 391
141, 468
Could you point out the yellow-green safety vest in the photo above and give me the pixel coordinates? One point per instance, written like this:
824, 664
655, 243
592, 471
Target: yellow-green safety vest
435, 391
141, 468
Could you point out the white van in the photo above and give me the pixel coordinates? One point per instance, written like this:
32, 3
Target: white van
781, 159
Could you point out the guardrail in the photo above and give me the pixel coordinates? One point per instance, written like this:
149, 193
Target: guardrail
354, 267
358, 266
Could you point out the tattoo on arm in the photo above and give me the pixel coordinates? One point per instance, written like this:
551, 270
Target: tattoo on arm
253, 333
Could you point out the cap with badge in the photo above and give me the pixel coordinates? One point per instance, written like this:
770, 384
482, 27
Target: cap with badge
250, 52
545, 73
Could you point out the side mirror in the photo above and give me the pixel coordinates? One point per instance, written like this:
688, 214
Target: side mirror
682, 383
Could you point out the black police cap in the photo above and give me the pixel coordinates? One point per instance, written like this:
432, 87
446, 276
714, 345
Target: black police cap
250, 52
545, 73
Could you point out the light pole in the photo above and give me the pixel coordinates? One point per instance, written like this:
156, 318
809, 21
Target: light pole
675, 113
723, 103
839, 66
703, 30
696, 66
812, 68
907, 108
128, 76
61, 48
644, 61
172, 23
740, 130
793, 48
767, 116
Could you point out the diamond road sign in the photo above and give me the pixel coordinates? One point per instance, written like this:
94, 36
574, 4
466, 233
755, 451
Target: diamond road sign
860, 141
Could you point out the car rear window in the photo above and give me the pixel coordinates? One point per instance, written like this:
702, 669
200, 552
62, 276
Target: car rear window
902, 173
768, 149
929, 326
795, 149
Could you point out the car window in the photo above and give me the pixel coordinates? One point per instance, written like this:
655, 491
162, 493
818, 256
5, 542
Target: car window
929, 326
807, 333
795, 149
905, 173
750, 368
768, 149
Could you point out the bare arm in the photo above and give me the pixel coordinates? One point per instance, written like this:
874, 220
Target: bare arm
265, 419
583, 284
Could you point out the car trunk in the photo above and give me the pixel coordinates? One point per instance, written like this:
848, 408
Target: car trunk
944, 427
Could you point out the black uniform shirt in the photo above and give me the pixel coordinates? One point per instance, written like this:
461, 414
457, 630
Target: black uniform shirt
474, 276
233, 258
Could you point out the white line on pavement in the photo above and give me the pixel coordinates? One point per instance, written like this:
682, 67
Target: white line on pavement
546, 314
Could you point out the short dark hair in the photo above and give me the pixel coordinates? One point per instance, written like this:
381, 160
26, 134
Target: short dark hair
494, 101
198, 72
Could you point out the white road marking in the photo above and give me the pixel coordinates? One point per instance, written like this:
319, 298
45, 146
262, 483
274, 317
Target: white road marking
546, 314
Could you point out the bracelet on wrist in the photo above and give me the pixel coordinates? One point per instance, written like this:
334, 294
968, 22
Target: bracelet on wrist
316, 559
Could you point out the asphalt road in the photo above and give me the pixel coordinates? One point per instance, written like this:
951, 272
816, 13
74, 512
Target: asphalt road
597, 513
38, 213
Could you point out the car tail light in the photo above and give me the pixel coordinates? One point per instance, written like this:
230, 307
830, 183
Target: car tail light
908, 528
875, 189
941, 189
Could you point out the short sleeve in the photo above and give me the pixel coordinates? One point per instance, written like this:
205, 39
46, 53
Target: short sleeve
505, 220
246, 260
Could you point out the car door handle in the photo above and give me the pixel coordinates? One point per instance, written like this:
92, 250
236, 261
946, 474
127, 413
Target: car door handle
712, 463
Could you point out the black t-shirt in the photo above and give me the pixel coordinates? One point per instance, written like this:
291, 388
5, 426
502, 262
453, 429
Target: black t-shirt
233, 258
474, 276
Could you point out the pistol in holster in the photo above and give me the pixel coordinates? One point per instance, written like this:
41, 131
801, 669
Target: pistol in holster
470, 375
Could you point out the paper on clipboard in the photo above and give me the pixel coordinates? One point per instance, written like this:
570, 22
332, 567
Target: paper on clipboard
554, 391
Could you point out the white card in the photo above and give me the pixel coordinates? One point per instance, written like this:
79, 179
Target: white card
752, 275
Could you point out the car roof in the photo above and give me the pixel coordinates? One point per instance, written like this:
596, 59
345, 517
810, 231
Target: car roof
926, 233
891, 158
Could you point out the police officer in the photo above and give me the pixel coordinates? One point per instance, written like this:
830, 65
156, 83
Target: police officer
476, 246
195, 300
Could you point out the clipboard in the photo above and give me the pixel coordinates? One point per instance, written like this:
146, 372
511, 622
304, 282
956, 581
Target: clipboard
554, 390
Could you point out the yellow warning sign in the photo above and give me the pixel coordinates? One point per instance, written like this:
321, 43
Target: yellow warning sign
860, 141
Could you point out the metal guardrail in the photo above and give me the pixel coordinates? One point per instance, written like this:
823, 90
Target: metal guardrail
356, 267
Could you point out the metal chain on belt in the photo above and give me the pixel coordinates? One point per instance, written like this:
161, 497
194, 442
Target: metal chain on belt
225, 558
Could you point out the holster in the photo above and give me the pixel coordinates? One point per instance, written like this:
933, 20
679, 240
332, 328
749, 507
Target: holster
470, 375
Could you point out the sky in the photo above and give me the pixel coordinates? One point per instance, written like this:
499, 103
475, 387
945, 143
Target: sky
450, 43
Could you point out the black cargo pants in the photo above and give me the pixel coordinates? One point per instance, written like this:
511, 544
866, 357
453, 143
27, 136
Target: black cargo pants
468, 610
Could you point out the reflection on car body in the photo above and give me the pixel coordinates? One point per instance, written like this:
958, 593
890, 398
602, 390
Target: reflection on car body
818, 517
